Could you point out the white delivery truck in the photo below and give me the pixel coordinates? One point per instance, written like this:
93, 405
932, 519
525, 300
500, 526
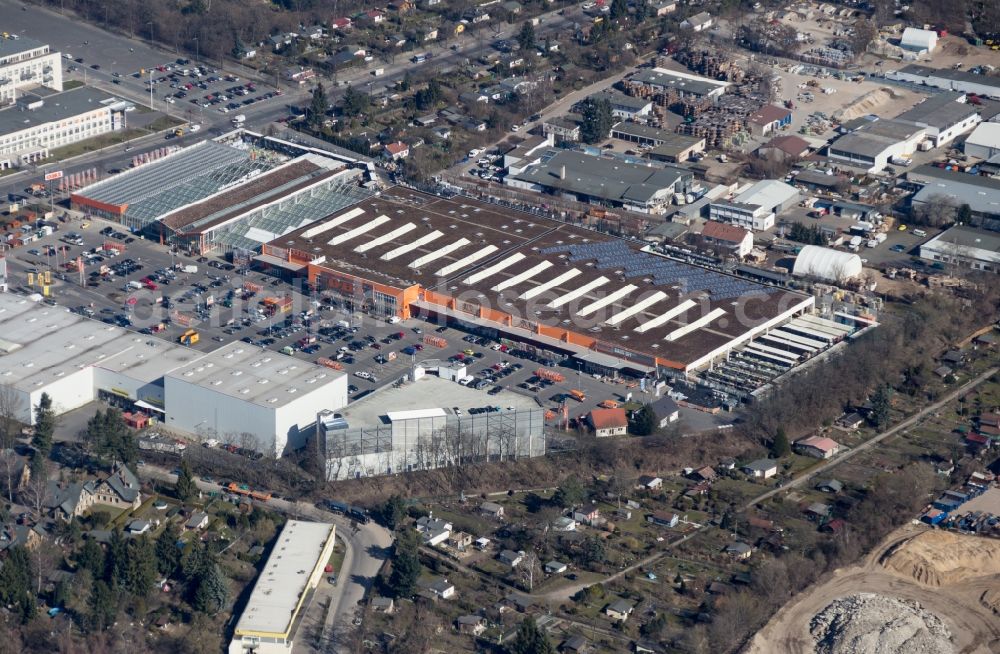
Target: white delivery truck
239, 119
190, 269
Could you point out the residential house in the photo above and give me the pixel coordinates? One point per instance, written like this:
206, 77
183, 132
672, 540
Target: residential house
555, 568
470, 624
704, 474
953, 357
830, 486
817, 510
441, 588
14, 535
646, 647
564, 523
343, 24
482, 544
138, 527
280, 41
510, 558
769, 119
425, 121
430, 523
663, 519
374, 16
197, 521
942, 371
383, 605
698, 490
730, 239
784, 147
313, 33
620, 610
761, 468
396, 40
819, 447
491, 510
664, 7
442, 132
434, 537
431, 34
666, 411
397, 150
624, 106
978, 442
473, 125
299, 75
851, 421
69, 500
608, 422
650, 483
576, 644
459, 540
698, 22
719, 588
739, 551
562, 128
583, 516
472, 98
119, 489
834, 526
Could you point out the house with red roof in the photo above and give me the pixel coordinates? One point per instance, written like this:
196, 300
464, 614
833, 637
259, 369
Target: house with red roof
786, 146
343, 23
733, 239
397, 150
819, 447
608, 422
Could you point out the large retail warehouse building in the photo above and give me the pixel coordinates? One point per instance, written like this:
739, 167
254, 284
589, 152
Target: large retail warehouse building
535, 281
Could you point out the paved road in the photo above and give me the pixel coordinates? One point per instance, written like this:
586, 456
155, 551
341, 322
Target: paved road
367, 547
889, 433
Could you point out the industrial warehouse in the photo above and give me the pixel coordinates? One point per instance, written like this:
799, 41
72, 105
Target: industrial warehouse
599, 299
235, 390
376, 436
219, 196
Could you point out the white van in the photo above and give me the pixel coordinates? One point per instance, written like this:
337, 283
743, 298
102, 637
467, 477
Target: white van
919, 233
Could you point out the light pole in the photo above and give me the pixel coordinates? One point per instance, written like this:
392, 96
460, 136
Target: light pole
150, 23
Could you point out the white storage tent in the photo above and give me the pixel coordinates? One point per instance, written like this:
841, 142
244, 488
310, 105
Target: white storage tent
826, 263
918, 39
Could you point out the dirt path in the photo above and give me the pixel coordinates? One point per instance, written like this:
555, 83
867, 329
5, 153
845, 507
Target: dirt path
975, 628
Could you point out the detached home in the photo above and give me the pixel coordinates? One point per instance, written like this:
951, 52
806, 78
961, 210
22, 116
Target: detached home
608, 422
664, 519
761, 468
619, 610
818, 447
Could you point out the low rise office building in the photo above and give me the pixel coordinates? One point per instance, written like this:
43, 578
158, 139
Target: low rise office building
966, 247
25, 64
757, 207
873, 145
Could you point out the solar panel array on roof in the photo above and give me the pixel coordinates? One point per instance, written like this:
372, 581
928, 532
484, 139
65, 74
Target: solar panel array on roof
619, 255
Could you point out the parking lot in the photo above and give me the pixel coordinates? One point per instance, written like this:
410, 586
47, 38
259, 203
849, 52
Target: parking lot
148, 288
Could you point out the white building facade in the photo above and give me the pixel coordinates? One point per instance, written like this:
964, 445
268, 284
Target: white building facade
25, 64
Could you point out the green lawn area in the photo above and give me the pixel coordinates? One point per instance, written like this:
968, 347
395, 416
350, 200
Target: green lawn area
337, 557
72, 84
96, 143
162, 123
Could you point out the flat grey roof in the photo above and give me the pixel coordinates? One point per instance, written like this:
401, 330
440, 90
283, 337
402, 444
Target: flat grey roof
621, 100
953, 75
927, 174
40, 344
875, 137
673, 144
274, 601
55, 107
682, 82
252, 374
428, 392
642, 131
940, 110
11, 47
598, 177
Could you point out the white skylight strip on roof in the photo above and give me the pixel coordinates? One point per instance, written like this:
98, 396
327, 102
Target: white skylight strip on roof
409, 247
465, 261
801, 340
523, 277
771, 339
611, 298
385, 238
781, 354
494, 269
440, 252
829, 324
639, 306
335, 222
666, 317
697, 324
580, 292
358, 231
552, 283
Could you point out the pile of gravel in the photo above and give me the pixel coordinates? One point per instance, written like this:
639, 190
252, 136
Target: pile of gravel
875, 624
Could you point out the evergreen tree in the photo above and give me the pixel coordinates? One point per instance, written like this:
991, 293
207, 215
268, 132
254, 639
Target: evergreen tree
597, 121
964, 214
116, 568
318, 105
405, 564
392, 511
526, 37
592, 550
103, 606
779, 445
140, 570
91, 557
619, 9
643, 421
569, 494
45, 424
111, 438
212, 592
168, 555
354, 103
429, 96
15, 583
186, 488
881, 401
530, 640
